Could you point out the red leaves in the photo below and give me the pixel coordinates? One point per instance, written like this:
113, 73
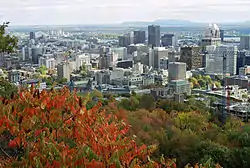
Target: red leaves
56, 164
21, 95
95, 164
15, 143
2, 121
69, 127
5, 122
38, 132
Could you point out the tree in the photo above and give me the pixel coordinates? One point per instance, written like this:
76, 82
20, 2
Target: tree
54, 129
62, 81
217, 84
7, 89
208, 79
147, 102
194, 82
43, 70
83, 70
49, 81
202, 82
8, 43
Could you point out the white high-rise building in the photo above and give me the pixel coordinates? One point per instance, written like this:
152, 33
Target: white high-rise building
26, 53
50, 63
212, 36
120, 51
83, 59
155, 55
215, 61
138, 68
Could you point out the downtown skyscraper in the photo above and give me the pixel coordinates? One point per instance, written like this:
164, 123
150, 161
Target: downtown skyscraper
154, 35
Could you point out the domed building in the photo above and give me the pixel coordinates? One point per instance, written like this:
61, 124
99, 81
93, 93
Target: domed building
212, 35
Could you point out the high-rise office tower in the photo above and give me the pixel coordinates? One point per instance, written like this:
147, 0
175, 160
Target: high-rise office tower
245, 42
168, 40
177, 71
105, 58
121, 52
215, 63
192, 57
124, 40
157, 54
212, 36
26, 52
154, 35
36, 52
32, 35
139, 37
243, 58
222, 32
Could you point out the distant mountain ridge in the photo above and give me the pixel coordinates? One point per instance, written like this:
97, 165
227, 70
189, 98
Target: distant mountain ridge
181, 23
163, 22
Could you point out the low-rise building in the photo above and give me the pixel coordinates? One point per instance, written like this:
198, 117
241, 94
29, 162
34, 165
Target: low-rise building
180, 87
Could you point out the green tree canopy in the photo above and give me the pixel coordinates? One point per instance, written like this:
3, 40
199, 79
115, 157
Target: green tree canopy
7, 89
8, 43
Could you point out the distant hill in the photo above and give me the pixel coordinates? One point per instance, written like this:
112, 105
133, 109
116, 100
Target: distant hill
184, 23
168, 22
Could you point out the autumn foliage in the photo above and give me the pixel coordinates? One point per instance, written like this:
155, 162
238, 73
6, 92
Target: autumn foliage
54, 129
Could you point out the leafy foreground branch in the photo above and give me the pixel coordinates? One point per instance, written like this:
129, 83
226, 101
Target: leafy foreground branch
54, 129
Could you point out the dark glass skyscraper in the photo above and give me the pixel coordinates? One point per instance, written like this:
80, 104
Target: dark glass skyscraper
124, 40
154, 35
32, 35
243, 58
168, 40
139, 37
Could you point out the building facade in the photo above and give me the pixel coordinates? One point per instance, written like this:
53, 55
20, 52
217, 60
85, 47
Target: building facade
176, 71
212, 36
64, 70
154, 35
245, 42
168, 40
124, 40
192, 56
36, 52
139, 37
243, 58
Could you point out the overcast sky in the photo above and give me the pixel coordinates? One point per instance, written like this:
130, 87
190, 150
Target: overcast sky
53, 12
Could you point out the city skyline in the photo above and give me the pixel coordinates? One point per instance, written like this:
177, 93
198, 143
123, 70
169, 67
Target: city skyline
56, 12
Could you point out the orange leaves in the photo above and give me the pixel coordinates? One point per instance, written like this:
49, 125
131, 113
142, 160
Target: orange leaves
69, 127
15, 142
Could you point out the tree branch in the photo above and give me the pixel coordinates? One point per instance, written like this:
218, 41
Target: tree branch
5, 153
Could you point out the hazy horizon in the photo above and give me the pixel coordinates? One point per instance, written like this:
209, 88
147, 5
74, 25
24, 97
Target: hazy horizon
73, 12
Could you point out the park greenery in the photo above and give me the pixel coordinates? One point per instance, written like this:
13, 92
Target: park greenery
202, 81
189, 132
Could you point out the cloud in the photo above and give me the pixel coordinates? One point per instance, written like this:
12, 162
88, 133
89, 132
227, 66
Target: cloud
113, 11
